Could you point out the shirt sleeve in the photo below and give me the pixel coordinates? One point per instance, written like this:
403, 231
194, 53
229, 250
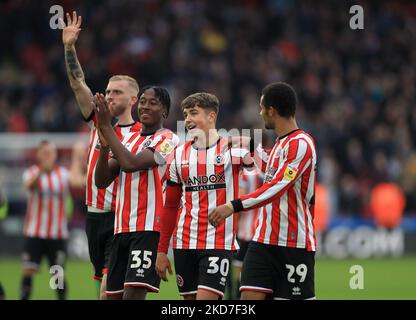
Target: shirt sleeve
162, 147
172, 171
261, 157
299, 158
91, 119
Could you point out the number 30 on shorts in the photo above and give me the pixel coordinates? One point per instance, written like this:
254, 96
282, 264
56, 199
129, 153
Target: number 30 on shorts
301, 271
223, 267
138, 261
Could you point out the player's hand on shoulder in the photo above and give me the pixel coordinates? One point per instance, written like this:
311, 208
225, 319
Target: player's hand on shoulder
71, 28
163, 264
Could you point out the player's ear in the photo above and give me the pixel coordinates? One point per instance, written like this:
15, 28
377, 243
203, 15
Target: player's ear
212, 116
165, 113
134, 100
271, 111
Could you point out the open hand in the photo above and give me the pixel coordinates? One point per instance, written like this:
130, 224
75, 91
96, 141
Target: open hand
102, 111
163, 264
71, 29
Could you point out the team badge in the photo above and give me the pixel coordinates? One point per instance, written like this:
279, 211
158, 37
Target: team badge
166, 147
219, 159
179, 281
290, 173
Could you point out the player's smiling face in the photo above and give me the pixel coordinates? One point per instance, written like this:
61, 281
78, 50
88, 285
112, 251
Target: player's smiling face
150, 109
119, 97
198, 120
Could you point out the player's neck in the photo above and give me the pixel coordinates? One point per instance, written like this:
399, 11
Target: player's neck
125, 119
151, 129
284, 126
210, 138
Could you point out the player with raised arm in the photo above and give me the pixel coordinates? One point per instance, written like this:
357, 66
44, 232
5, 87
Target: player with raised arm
140, 165
281, 258
121, 95
204, 174
45, 227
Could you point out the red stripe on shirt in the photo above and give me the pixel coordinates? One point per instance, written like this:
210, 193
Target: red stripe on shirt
203, 201
50, 206
61, 204
40, 207
143, 200
188, 199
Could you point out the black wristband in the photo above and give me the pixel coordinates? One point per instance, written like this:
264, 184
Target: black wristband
237, 205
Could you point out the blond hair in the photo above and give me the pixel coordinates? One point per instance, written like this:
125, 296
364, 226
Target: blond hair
130, 81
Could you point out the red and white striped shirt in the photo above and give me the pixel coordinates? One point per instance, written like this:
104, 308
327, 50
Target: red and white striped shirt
139, 194
209, 178
45, 214
286, 218
103, 199
250, 182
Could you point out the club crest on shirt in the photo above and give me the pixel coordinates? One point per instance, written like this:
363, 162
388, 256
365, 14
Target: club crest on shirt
219, 159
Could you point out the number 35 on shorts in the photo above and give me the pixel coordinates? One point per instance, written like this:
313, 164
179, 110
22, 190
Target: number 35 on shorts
141, 260
301, 270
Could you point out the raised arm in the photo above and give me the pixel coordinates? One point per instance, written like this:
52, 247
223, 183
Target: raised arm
31, 178
75, 74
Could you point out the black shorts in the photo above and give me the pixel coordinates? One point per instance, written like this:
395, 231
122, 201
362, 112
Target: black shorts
202, 269
100, 232
36, 248
132, 262
241, 253
285, 273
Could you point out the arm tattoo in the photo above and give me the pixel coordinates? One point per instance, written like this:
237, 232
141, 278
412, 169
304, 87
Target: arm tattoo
73, 66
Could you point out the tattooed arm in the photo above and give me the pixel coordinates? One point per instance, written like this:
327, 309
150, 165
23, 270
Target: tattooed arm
76, 77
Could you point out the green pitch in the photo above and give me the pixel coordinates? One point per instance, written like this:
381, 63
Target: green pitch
383, 279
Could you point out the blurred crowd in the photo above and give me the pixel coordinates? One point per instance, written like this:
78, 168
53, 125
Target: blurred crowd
356, 88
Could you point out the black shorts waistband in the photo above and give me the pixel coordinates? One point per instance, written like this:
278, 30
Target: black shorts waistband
98, 215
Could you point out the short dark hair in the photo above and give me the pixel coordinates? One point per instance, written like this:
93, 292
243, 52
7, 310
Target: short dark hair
161, 93
44, 142
282, 97
203, 100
